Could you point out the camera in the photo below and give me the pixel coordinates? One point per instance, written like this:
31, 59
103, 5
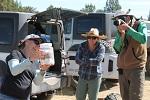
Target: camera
118, 22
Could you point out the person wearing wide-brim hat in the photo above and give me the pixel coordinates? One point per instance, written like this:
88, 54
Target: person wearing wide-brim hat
89, 56
94, 33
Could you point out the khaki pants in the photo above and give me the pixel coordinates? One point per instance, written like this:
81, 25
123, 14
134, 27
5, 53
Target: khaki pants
132, 83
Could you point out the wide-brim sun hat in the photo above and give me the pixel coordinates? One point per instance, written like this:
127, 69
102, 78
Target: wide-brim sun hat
94, 33
30, 37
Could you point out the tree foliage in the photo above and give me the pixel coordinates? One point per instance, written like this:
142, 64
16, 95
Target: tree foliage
89, 8
99, 10
11, 5
112, 6
50, 7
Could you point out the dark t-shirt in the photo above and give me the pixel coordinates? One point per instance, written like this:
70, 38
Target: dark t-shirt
18, 86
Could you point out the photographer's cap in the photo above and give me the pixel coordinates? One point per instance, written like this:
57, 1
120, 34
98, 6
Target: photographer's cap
123, 13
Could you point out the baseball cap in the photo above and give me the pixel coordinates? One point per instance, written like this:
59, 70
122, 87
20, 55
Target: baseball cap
30, 37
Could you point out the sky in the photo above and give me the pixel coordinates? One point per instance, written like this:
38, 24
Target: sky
138, 7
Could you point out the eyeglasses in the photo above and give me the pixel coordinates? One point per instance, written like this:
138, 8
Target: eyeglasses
37, 42
92, 37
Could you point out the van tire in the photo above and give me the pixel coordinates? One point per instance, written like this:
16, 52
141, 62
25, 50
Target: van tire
46, 95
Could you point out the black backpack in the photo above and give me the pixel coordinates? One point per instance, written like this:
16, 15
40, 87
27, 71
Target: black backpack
113, 96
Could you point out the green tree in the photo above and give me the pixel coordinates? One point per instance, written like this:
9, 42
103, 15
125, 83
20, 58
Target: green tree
50, 7
112, 6
89, 8
11, 5
28, 9
99, 10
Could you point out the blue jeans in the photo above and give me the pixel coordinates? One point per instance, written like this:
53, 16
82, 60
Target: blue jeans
5, 97
90, 87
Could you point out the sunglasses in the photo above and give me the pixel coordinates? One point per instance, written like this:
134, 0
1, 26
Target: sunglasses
91, 37
37, 42
123, 17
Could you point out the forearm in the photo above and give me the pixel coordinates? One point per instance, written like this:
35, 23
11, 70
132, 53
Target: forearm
100, 56
79, 57
82, 61
140, 35
16, 67
39, 76
118, 44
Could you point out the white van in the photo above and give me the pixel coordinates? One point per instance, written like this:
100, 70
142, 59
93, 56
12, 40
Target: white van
76, 26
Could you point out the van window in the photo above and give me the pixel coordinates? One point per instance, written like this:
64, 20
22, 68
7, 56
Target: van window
7, 30
84, 25
148, 26
51, 29
67, 27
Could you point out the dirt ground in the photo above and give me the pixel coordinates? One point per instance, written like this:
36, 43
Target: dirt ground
68, 93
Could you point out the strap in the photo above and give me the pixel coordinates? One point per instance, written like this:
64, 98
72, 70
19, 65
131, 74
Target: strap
136, 25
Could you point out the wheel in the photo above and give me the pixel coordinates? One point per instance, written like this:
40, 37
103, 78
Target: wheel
44, 96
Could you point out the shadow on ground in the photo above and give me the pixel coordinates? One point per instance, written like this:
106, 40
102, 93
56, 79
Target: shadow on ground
107, 84
70, 91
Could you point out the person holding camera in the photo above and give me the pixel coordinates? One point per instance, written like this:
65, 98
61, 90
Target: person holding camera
23, 68
89, 57
130, 45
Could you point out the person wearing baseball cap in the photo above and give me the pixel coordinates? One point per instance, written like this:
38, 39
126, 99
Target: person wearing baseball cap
24, 67
37, 39
131, 46
89, 57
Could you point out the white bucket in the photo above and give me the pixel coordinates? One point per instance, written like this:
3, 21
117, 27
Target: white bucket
48, 49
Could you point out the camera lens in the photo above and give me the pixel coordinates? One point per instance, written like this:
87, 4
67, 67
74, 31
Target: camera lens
117, 22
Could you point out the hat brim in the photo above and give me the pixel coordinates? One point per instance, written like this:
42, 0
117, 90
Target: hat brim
99, 37
38, 39
113, 18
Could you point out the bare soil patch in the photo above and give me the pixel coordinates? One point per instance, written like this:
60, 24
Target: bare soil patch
68, 93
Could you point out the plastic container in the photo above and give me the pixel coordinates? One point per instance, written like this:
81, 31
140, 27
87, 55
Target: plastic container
48, 49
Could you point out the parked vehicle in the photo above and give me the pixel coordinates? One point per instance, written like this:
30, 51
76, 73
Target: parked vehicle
15, 26
73, 29
103, 21
49, 24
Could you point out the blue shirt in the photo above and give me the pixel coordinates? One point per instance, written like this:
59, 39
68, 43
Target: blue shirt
90, 61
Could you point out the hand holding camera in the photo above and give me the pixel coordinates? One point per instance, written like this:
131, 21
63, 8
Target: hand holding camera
118, 22
122, 26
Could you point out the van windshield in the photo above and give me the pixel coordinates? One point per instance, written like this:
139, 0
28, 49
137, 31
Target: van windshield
83, 25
